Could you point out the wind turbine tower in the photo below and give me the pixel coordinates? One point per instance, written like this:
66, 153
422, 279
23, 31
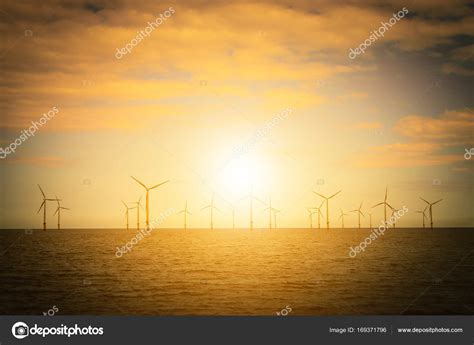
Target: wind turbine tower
185, 212
310, 216
147, 207
385, 204
212, 207
342, 217
252, 198
423, 215
430, 204
327, 205
43, 205
359, 212
58, 211
127, 208
139, 206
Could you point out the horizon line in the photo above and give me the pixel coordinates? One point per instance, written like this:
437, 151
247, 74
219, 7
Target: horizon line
246, 228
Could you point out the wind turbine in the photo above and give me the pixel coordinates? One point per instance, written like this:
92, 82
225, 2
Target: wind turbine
342, 217
370, 221
310, 215
275, 211
127, 208
212, 207
270, 209
318, 209
385, 203
139, 205
43, 205
252, 198
58, 211
392, 216
360, 213
147, 199
424, 215
430, 204
233, 218
185, 212
327, 205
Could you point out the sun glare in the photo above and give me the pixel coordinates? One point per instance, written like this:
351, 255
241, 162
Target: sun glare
240, 174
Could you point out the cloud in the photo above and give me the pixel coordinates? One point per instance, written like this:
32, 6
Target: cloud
452, 127
405, 155
38, 161
368, 125
426, 140
253, 47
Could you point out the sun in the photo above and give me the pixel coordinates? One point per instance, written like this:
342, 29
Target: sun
241, 174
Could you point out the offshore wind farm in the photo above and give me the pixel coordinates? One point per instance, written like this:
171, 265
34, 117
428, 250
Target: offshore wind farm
271, 211
242, 270
239, 158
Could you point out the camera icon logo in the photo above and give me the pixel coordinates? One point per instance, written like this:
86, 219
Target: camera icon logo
20, 330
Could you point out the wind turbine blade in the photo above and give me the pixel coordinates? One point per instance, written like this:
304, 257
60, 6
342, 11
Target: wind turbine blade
390, 206
56, 211
361, 205
436, 202
380, 203
245, 197
141, 183
44, 196
386, 191
332, 196
322, 196
424, 200
180, 211
189, 213
262, 202
354, 211
362, 214
322, 203
205, 207
65, 208
162, 183
124, 204
44, 201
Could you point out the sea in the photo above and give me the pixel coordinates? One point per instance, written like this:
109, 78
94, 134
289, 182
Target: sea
280, 272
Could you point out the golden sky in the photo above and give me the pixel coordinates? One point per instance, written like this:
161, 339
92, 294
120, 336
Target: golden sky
203, 85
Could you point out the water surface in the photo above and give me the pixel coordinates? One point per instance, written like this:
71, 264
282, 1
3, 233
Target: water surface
237, 272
